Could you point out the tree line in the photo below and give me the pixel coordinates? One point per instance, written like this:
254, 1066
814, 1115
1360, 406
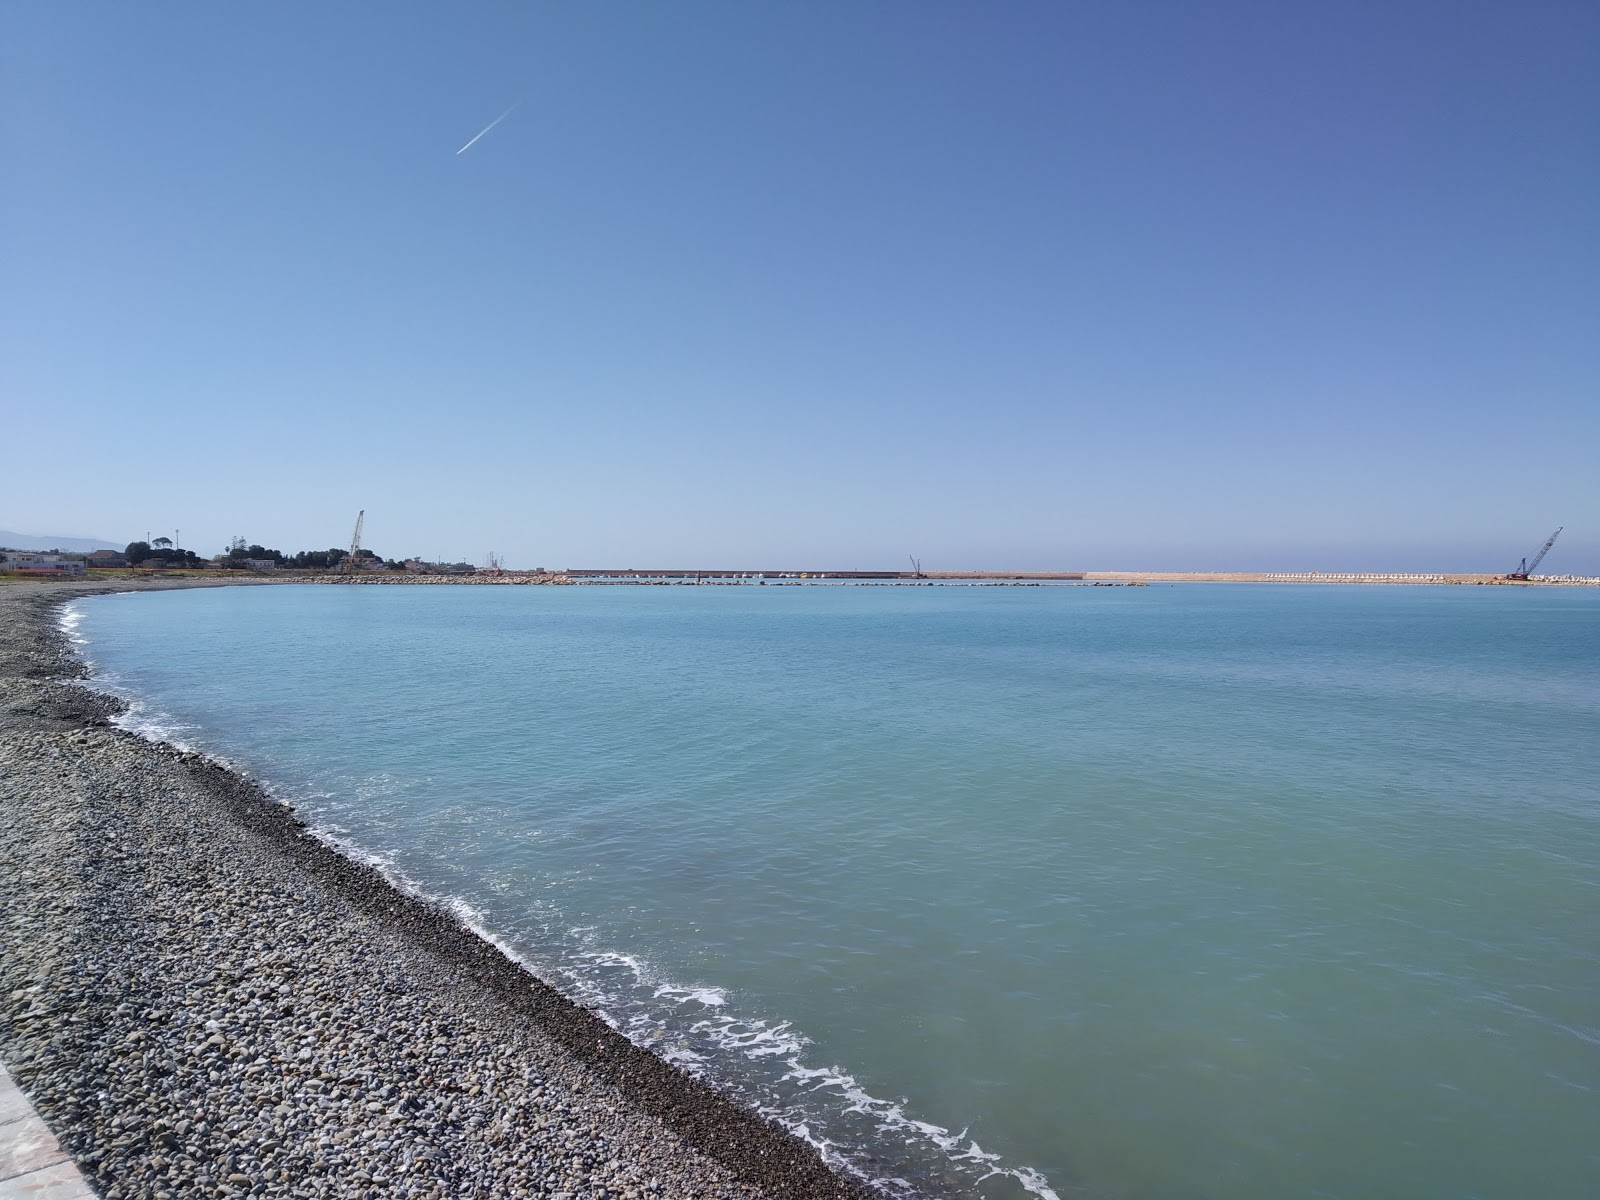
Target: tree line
161, 552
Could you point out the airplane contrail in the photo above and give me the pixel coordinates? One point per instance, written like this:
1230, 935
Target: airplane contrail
490, 126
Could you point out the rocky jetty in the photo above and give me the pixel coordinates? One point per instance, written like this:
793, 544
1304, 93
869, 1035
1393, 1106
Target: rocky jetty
482, 577
204, 1000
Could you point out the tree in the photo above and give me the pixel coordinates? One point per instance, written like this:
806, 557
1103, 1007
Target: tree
316, 560
154, 554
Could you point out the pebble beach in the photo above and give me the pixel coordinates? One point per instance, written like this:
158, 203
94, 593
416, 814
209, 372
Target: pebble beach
202, 999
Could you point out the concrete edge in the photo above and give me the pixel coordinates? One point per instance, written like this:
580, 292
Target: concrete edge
33, 1166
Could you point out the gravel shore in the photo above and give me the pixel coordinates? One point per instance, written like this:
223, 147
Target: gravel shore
203, 1000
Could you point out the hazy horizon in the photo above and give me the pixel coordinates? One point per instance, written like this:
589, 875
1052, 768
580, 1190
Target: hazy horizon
1040, 286
1296, 558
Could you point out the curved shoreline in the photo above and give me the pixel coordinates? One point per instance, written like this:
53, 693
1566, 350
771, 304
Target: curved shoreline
79, 913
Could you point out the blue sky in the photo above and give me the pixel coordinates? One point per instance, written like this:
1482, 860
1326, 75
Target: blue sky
1002, 285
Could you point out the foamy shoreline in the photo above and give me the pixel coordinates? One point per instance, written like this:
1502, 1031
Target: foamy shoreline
202, 998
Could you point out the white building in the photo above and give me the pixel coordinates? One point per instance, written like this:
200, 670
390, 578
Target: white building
43, 564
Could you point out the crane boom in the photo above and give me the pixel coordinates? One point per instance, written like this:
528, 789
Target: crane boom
1543, 550
355, 542
1526, 568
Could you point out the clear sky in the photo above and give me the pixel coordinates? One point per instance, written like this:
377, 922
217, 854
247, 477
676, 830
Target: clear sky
1035, 285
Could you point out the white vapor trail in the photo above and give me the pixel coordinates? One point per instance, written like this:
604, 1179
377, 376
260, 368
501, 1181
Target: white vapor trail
491, 125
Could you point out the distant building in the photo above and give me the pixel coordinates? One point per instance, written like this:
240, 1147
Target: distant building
23, 562
108, 558
261, 564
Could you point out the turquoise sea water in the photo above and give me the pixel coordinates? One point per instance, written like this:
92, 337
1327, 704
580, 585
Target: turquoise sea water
1199, 891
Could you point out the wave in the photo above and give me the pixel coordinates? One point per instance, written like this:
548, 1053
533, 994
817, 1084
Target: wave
139, 716
68, 618
763, 1062
698, 1027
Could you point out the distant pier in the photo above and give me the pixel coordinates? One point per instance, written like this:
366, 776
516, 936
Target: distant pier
725, 573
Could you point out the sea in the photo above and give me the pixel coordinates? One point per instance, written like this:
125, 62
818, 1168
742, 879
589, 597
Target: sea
1193, 891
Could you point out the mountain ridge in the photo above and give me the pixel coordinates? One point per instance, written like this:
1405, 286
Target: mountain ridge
11, 540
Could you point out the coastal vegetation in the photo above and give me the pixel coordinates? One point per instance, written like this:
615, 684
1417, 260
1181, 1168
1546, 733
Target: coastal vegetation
159, 553
242, 555
239, 554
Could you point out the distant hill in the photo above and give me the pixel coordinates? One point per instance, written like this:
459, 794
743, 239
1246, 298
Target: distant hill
31, 541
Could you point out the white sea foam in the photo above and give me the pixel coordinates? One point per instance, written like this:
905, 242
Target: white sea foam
152, 724
68, 619
140, 717
693, 1031
816, 1098
709, 996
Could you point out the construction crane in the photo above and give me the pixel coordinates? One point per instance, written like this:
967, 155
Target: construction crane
349, 564
1526, 568
916, 567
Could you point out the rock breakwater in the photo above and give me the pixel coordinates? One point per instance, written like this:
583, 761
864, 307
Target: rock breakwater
502, 578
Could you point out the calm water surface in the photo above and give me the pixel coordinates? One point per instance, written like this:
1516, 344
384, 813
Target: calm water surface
1205, 891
